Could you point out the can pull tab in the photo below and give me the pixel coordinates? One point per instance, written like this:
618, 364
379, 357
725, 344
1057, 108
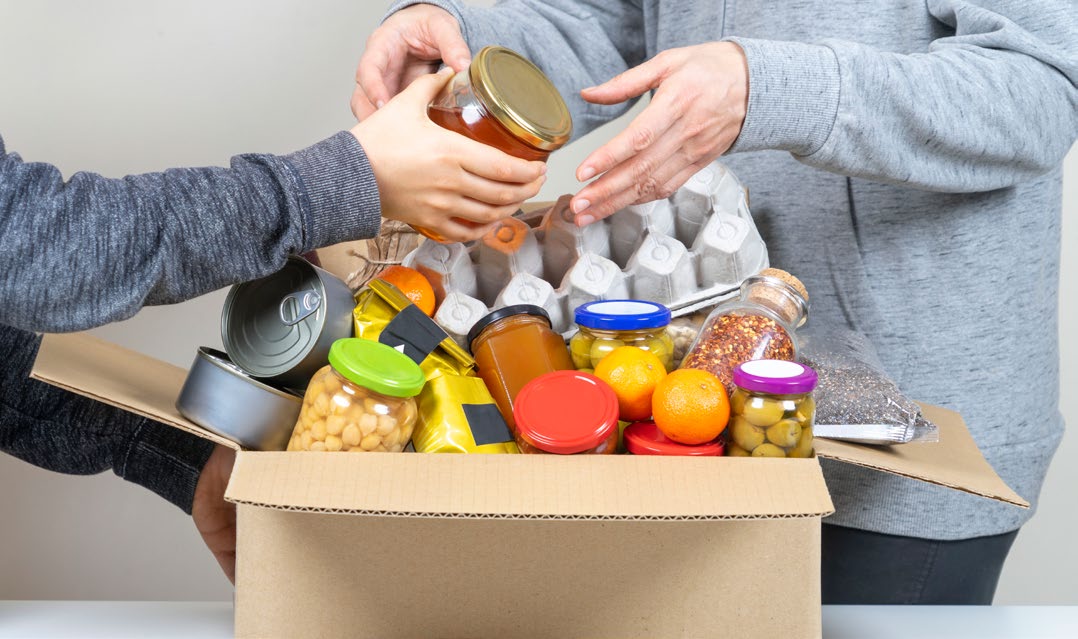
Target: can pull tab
297, 307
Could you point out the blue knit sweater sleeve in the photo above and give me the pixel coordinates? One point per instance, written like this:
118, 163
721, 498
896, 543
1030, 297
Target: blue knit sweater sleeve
92, 250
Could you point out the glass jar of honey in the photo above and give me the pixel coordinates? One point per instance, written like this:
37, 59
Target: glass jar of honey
504, 101
512, 346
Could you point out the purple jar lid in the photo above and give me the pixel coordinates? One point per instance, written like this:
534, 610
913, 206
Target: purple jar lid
775, 376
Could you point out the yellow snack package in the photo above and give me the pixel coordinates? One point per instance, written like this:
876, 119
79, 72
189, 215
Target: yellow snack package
384, 314
456, 411
458, 415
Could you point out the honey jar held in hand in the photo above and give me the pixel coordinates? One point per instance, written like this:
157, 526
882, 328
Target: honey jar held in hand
504, 101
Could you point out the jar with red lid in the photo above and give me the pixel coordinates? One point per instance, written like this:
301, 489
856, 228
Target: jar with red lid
645, 438
565, 413
771, 409
503, 100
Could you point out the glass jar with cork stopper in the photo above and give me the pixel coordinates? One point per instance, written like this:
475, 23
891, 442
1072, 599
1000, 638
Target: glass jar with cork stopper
760, 323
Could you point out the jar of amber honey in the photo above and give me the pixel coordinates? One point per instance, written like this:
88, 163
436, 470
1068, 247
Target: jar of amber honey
512, 346
504, 101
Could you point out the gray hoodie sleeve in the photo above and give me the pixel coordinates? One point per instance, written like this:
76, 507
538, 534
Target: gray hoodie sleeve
578, 43
991, 106
988, 107
92, 250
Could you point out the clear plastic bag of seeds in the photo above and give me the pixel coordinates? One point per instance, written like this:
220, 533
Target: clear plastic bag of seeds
855, 399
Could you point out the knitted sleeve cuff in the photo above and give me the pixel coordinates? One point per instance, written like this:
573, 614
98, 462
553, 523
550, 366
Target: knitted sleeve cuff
341, 191
793, 96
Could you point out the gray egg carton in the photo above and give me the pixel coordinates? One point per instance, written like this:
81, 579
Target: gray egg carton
688, 252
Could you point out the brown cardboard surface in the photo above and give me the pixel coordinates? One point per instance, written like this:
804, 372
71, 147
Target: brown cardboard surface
600, 487
86, 365
954, 462
318, 575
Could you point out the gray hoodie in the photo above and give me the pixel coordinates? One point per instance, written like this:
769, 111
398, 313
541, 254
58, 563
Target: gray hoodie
904, 159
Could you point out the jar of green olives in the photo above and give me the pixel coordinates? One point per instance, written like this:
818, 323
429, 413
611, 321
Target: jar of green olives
608, 324
772, 410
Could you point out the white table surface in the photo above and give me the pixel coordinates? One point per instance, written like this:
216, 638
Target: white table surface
197, 620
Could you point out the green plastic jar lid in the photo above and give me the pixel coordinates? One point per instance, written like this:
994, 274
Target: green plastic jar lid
374, 365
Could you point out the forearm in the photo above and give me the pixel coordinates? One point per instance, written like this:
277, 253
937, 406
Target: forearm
62, 432
985, 109
94, 250
577, 43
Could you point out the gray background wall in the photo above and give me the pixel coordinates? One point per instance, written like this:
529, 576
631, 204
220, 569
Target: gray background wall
126, 86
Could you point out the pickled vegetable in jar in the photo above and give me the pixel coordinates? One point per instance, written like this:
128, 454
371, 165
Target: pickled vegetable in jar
512, 346
363, 401
771, 410
567, 413
504, 101
608, 324
758, 324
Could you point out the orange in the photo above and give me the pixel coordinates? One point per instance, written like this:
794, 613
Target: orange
691, 406
412, 283
633, 374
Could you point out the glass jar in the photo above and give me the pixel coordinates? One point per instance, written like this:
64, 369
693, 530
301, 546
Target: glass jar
758, 324
771, 409
567, 413
512, 346
608, 324
363, 401
504, 101
645, 438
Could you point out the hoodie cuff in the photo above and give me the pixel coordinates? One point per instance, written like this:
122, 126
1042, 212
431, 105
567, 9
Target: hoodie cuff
165, 460
341, 191
794, 91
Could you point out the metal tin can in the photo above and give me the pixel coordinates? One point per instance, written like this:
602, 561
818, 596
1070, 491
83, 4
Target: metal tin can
219, 397
279, 328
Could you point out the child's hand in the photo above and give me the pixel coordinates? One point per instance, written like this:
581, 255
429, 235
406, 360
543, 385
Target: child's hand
427, 175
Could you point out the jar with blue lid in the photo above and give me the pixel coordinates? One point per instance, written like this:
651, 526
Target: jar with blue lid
608, 324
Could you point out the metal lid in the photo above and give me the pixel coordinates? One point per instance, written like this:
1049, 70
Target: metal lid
521, 98
374, 365
645, 438
775, 377
502, 313
270, 324
622, 315
566, 412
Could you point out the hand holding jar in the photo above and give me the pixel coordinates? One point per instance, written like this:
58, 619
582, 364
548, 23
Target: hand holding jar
432, 178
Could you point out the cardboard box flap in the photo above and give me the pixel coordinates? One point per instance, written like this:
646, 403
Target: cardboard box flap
954, 462
86, 365
621, 487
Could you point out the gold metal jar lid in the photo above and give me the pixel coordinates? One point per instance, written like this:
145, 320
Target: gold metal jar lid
521, 97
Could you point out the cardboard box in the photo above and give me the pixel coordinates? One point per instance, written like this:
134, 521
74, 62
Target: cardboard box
415, 545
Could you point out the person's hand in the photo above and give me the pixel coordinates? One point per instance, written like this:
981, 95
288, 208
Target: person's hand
437, 179
410, 43
214, 517
694, 116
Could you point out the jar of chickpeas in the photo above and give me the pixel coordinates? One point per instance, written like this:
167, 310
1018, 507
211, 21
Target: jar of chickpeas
362, 402
771, 409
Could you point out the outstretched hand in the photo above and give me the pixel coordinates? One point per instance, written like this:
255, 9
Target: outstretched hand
695, 115
411, 43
